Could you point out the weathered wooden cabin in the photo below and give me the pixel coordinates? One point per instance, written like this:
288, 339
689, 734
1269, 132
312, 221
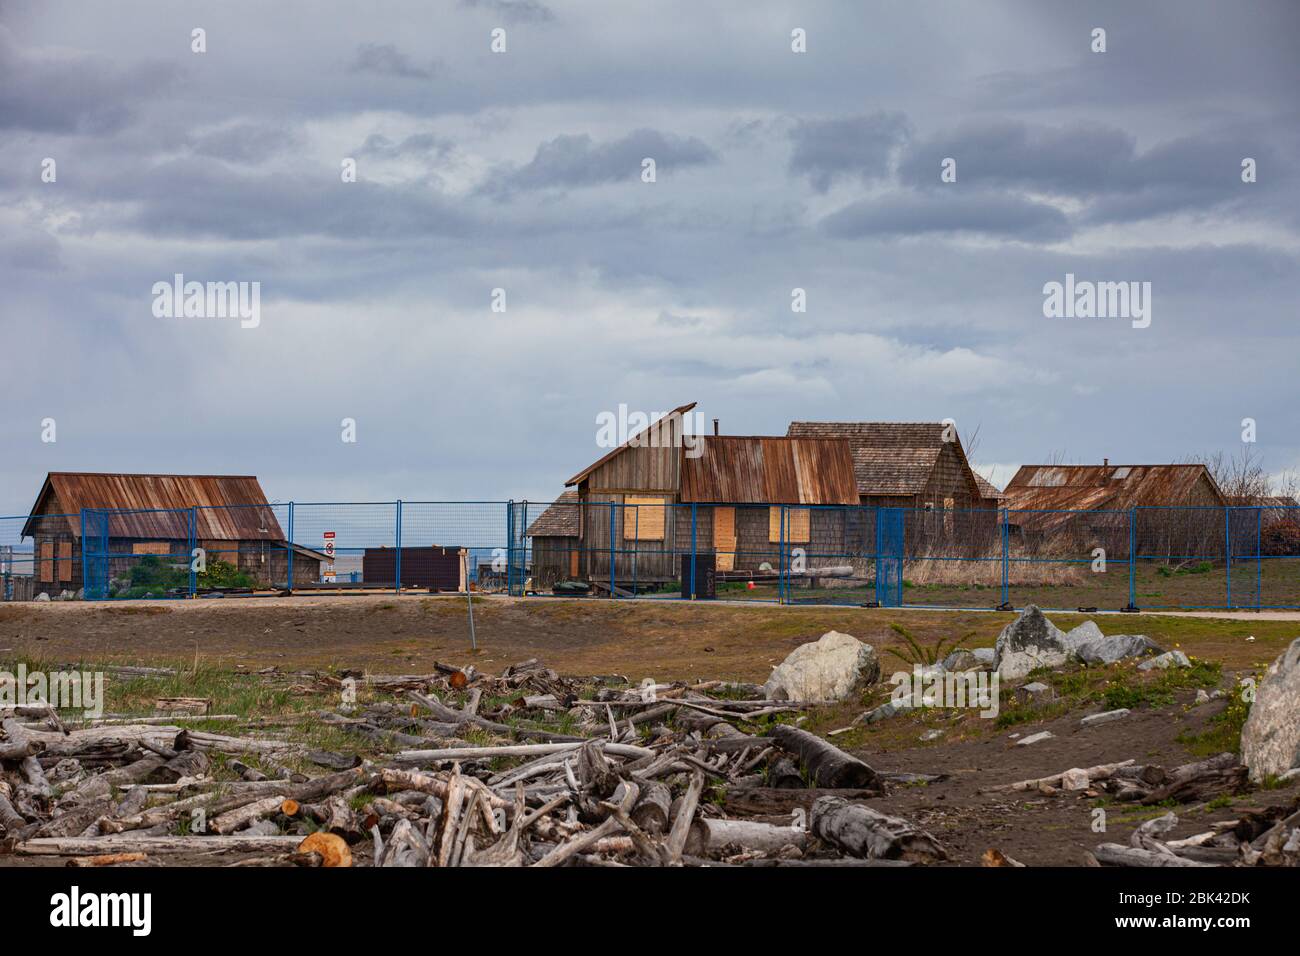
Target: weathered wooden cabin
919, 465
662, 494
149, 515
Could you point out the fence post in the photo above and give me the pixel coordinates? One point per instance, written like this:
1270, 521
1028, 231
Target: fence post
397, 564
1259, 559
780, 559
288, 564
194, 578
1132, 557
693, 548
1227, 550
613, 520
1006, 558
510, 546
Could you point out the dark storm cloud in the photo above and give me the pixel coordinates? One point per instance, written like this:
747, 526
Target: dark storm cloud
776, 170
384, 59
419, 145
201, 198
523, 11
858, 147
576, 160
248, 143
950, 213
67, 91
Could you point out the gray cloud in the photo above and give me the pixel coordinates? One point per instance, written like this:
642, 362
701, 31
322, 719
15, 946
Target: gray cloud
574, 161
953, 213
384, 59
248, 143
522, 11
859, 147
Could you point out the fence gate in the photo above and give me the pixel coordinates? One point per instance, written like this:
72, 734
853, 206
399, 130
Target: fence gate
517, 519
890, 526
94, 553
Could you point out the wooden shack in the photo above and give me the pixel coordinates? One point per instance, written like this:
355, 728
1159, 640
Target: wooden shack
158, 516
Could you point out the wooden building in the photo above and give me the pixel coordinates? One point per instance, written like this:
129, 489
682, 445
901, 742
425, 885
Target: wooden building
915, 465
145, 515
662, 494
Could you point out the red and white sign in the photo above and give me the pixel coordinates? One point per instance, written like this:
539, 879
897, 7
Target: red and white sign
328, 574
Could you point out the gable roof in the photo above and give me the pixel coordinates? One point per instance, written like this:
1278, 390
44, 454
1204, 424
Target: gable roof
767, 470
561, 519
1106, 487
231, 507
987, 488
889, 458
677, 412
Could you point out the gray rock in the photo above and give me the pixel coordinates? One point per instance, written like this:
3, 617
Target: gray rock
886, 710
1075, 779
1202, 697
834, 667
932, 735
42, 597
1029, 642
1104, 718
1035, 738
1035, 693
1270, 738
1165, 661
1087, 631
962, 659
1116, 647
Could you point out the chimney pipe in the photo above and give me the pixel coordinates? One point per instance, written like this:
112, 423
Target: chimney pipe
715, 426
1105, 463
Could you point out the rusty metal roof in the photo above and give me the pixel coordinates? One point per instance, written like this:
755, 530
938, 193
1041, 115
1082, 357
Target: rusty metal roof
231, 507
889, 458
809, 471
677, 412
1108, 487
561, 519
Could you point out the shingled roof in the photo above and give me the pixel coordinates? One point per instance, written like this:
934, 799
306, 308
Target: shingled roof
889, 458
561, 519
987, 488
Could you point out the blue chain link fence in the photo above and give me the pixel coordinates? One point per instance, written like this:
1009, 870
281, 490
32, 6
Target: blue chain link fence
643, 548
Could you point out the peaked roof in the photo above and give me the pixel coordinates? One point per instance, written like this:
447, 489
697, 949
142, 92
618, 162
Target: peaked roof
889, 458
763, 470
987, 488
561, 519
1108, 487
675, 413
231, 507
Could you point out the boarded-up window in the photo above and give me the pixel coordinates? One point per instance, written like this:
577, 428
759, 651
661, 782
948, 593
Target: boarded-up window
65, 562
724, 538
47, 561
150, 547
643, 519
573, 563
798, 524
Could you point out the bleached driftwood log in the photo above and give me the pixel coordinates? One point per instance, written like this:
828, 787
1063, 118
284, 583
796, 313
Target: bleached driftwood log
862, 831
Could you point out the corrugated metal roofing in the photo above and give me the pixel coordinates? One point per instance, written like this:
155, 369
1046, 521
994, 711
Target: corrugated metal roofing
231, 507
561, 519
1106, 487
810, 471
889, 458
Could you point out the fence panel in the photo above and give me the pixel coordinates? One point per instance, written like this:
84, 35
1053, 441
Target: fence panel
1279, 557
141, 553
1182, 557
952, 557
1068, 559
470, 538
364, 536
828, 554
26, 572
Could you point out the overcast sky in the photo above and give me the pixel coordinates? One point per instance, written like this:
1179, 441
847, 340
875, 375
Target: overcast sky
522, 170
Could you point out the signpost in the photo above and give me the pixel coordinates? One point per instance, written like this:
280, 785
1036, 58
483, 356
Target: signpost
329, 553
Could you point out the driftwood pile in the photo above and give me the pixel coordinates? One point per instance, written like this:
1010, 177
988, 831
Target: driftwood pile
620, 775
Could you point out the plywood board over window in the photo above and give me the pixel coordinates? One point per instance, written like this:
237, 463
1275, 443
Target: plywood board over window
65, 562
46, 561
724, 538
798, 525
150, 547
643, 518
